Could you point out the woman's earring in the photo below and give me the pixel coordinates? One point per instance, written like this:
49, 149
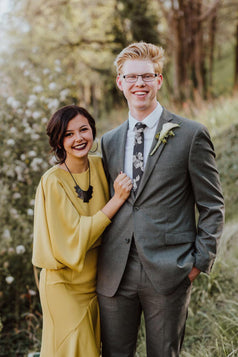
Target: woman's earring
96, 147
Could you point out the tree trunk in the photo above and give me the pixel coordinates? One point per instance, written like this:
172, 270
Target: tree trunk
177, 56
198, 52
212, 33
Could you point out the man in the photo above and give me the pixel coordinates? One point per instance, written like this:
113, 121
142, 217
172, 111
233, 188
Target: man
154, 249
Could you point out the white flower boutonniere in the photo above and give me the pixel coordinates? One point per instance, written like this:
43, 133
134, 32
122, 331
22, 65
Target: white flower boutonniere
164, 134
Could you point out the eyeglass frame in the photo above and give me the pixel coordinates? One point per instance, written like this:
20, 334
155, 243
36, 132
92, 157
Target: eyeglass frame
140, 75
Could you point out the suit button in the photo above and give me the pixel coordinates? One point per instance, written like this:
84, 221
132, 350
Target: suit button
127, 240
136, 208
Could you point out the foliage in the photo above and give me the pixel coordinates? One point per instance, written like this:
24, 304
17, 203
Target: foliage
78, 36
23, 158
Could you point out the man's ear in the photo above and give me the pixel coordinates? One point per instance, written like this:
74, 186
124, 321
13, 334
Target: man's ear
160, 80
119, 82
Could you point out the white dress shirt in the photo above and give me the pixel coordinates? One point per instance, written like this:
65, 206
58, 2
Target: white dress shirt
151, 122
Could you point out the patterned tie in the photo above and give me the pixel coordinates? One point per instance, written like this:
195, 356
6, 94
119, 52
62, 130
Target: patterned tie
138, 155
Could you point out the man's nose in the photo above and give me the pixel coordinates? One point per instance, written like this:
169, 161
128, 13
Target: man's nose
140, 81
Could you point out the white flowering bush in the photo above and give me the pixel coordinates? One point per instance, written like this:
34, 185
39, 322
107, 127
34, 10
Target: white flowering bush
24, 156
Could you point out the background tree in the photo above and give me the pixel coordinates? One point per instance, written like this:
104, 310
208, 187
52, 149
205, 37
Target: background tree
236, 60
76, 34
230, 13
191, 25
226, 45
134, 22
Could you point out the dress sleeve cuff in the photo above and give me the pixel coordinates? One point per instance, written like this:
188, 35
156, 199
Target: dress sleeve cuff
102, 220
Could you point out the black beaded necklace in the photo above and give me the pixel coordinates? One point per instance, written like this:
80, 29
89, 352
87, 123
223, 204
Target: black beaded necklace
84, 195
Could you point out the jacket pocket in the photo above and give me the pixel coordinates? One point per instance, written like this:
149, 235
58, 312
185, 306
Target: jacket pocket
179, 238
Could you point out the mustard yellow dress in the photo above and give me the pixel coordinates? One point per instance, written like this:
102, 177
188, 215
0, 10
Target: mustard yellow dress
66, 240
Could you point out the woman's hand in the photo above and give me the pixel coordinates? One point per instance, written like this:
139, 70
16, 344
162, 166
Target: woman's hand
122, 186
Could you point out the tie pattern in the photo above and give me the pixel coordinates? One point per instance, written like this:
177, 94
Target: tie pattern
138, 155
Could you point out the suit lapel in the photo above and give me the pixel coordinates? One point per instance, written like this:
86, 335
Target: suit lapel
120, 141
151, 160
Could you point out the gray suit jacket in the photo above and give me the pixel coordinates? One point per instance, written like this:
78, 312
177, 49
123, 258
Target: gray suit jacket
180, 176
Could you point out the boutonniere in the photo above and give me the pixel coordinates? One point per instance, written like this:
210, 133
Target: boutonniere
163, 135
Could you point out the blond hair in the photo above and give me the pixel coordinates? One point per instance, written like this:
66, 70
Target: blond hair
141, 51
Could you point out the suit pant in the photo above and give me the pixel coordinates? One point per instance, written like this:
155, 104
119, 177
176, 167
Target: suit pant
165, 315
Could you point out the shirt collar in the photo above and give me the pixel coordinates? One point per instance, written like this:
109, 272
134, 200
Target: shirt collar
151, 120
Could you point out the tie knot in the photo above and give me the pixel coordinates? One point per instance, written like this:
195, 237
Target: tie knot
140, 127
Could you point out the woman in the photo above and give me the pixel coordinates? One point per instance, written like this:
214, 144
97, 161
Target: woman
70, 215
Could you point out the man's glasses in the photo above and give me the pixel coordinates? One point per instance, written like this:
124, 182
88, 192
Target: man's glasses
146, 77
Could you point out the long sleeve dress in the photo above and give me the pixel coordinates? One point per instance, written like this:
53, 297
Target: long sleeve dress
66, 240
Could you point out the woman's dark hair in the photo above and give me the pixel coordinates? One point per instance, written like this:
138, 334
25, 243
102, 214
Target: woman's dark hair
57, 126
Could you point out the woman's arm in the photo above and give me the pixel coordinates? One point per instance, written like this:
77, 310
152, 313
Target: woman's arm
61, 236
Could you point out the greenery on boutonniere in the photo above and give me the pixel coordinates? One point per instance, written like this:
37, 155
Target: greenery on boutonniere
163, 135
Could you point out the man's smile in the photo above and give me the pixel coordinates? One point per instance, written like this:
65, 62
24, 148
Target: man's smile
140, 93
